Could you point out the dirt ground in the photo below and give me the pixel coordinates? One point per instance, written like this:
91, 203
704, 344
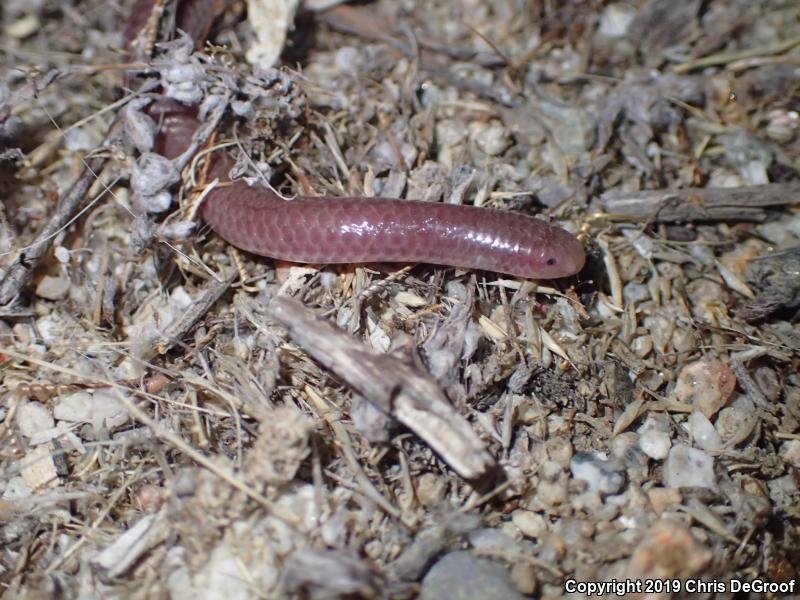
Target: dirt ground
181, 419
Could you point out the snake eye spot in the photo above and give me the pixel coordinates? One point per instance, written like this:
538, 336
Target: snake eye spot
551, 261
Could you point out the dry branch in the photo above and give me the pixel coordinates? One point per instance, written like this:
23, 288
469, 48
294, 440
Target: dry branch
394, 387
20, 271
702, 204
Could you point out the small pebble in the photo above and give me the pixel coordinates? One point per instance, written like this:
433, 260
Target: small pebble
642, 345
606, 476
703, 432
431, 489
705, 384
101, 408
616, 19
559, 450
790, 453
635, 292
655, 444
551, 493
524, 577
151, 497
668, 550
62, 254
775, 232
108, 409
80, 139
38, 469
625, 447
783, 492
74, 408
23, 27
348, 60
52, 288
16, 488
735, 424
783, 125
531, 524
688, 467
663, 498
33, 417
463, 576
493, 139
491, 539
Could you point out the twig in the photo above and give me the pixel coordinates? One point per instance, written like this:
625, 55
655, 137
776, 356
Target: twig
393, 386
20, 271
701, 204
212, 292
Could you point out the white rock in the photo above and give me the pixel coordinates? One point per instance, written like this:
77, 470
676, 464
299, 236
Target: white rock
493, 139
462, 575
301, 503
642, 345
108, 409
75, 408
703, 432
776, 232
793, 224
271, 20
635, 292
224, 576
654, 436
102, 408
783, 492
51, 328
602, 475
431, 489
790, 453
180, 298
80, 139
33, 417
531, 524
16, 488
348, 60
492, 539
688, 467
52, 288
783, 125
655, 444
616, 19
38, 469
